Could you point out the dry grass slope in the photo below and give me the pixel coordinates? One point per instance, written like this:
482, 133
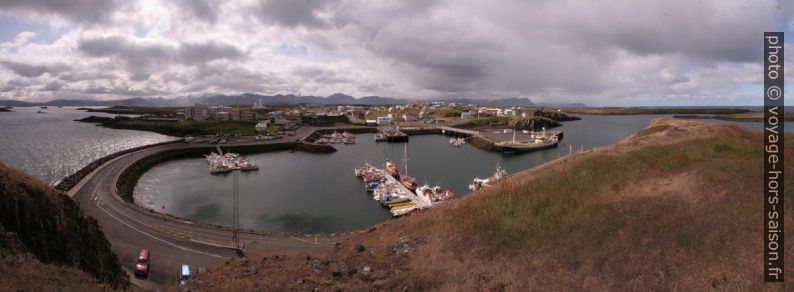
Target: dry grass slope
674, 207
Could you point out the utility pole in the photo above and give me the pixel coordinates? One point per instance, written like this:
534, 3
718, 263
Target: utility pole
235, 214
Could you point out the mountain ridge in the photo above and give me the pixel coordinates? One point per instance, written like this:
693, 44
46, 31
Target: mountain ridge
278, 99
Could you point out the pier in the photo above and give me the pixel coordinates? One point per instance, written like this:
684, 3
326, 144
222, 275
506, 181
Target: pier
452, 131
421, 203
394, 135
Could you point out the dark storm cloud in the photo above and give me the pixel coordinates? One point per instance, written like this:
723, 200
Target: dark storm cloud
192, 53
696, 29
25, 70
117, 90
143, 59
82, 11
292, 13
142, 53
52, 86
33, 70
321, 75
206, 10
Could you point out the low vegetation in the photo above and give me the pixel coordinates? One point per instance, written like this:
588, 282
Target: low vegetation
137, 110
674, 207
176, 128
652, 111
741, 117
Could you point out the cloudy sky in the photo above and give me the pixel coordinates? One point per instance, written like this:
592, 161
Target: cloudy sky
612, 52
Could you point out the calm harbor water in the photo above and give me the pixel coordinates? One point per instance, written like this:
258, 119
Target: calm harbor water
51, 145
318, 192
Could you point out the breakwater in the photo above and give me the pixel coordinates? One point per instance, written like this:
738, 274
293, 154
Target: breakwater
482, 143
70, 181
125, 185
421, 131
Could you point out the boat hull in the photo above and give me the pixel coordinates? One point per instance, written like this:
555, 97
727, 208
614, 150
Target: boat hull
523, 149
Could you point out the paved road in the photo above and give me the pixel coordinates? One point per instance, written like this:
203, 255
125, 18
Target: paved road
173, 242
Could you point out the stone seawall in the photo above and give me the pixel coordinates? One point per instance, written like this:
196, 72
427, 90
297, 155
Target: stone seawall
421, 131
482, 143
70, 181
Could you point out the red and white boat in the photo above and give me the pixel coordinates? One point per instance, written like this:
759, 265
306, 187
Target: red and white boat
392, 170
408, 182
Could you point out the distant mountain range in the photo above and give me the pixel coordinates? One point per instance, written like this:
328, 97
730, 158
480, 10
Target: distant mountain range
279, 99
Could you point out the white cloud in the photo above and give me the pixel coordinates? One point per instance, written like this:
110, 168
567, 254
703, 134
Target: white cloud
618, 52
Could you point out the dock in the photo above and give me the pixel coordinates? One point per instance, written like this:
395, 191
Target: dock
421, 203
394, 135
452, 131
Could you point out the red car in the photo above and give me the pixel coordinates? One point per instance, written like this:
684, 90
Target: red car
142, 264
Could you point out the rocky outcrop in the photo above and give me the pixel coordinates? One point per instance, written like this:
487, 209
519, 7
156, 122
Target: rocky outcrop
556, 116
52, 227
533, 123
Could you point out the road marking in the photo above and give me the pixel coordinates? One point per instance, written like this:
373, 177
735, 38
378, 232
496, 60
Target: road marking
98, 204
301, 240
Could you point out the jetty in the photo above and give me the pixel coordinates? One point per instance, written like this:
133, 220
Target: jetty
421, 202
453, 131
394, 135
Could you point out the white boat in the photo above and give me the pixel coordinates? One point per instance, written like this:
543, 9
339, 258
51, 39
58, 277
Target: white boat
479, 183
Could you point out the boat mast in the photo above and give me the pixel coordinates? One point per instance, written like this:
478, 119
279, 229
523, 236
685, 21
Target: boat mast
405, 159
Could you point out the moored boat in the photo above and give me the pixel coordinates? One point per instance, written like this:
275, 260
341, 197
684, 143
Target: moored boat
392, 170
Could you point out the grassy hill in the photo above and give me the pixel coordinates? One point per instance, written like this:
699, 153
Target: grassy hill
676, 206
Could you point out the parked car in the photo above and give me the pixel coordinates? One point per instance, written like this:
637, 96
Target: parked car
142, 264
185, 275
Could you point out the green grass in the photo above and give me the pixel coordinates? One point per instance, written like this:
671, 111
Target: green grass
215, 127
447, 112
651, 130
493, 121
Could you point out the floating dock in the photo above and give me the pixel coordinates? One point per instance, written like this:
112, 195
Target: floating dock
421, 202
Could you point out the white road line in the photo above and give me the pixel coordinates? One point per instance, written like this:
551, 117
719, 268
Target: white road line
301, 240
98, 204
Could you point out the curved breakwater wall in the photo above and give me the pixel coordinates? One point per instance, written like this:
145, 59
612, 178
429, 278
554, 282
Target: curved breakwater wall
421, 131
70, 181
129, 177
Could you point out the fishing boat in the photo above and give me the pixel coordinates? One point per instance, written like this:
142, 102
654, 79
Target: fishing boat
248, 166
360, 171
392, 170
407, 181
536, 142
434, 194
457, 142
479, 183
220, 169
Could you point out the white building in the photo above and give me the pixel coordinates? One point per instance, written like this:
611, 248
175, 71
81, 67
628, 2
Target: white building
384, 120
466, 115
258, 105
261, 127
